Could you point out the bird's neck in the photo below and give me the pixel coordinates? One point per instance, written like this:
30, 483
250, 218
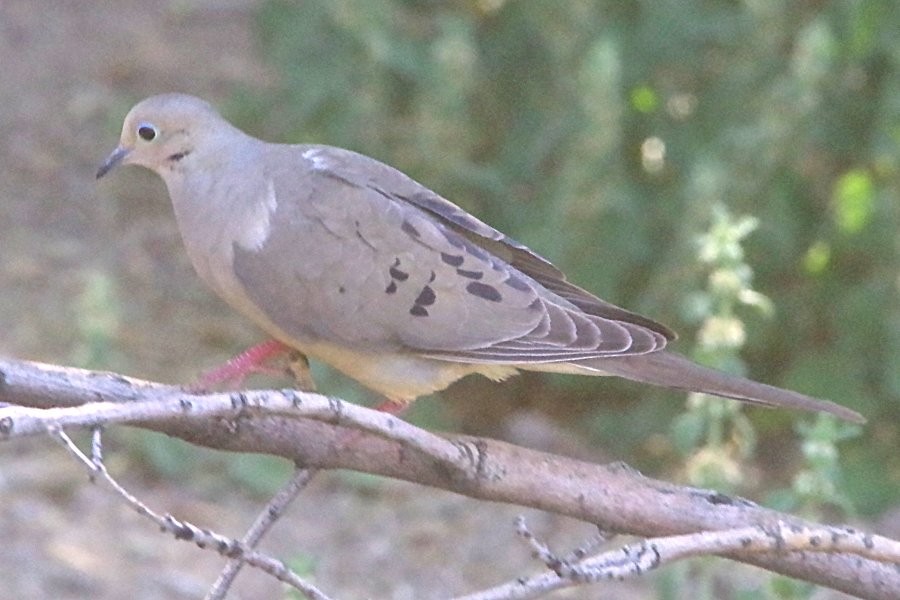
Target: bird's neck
213, 212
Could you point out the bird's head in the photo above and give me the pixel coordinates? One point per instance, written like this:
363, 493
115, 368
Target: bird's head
161, 131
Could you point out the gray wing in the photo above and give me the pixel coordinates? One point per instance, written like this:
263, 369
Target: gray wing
527, 261
360, 254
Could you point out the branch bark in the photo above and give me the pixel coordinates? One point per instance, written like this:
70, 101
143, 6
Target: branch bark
615, 497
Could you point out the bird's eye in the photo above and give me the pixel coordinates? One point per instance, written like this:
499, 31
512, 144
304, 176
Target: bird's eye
146, 132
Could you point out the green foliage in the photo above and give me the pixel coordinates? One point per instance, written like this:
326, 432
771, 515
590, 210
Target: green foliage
715, 436
165, 456
262, 475
606, 134
172, 458
854, 201
97, 319
820, 480
784, 588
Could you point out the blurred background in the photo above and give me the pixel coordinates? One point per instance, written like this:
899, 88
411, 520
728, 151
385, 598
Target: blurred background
731, 169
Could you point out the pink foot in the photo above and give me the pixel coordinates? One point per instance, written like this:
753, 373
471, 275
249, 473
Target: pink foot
392, 407
251, 360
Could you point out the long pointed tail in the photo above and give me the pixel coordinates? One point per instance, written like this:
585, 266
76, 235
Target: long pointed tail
675, 371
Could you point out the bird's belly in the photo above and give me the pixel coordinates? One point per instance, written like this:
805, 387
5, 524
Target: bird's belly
398, 376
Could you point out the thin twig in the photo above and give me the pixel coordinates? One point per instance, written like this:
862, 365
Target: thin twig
636, 559
263, 523
183, 530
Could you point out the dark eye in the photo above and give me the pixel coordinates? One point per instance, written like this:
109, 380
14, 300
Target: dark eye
146, 132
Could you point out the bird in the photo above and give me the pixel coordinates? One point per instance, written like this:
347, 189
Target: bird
349, 261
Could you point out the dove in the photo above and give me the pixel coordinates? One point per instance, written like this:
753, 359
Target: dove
349, 261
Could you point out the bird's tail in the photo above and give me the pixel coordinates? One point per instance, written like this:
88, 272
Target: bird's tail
675, 371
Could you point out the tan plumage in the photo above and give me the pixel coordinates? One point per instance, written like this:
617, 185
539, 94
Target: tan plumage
353, 263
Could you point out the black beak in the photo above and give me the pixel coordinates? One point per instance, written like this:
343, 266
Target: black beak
114, 159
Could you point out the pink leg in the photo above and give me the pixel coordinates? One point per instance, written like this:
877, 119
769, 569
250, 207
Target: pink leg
392, 407
251, 360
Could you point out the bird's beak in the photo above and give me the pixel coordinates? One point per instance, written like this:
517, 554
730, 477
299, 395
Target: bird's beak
117, 156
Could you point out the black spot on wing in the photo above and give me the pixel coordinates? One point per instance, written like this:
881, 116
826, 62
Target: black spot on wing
453, 260
418, 311
477, 252
396, 273
485, 291
469, 274
391, 288
426, 297
410, 229
517, 283
454, 239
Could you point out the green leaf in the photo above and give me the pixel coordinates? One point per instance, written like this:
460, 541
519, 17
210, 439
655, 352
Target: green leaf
644, 99
853, 201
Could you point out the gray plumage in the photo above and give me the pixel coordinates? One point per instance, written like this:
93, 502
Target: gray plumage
352, 262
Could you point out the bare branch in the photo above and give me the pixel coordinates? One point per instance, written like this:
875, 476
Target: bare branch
22, 422
183, 530
263, 523
636, 559
614, 497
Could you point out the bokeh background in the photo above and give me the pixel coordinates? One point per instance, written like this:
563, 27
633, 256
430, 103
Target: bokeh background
731, 169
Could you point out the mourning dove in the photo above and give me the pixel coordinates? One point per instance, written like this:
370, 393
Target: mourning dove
355, 264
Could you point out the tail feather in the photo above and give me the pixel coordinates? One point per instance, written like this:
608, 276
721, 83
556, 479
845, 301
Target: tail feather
672, 370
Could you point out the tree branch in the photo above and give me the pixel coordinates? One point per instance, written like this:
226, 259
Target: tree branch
266, 519
311, 430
